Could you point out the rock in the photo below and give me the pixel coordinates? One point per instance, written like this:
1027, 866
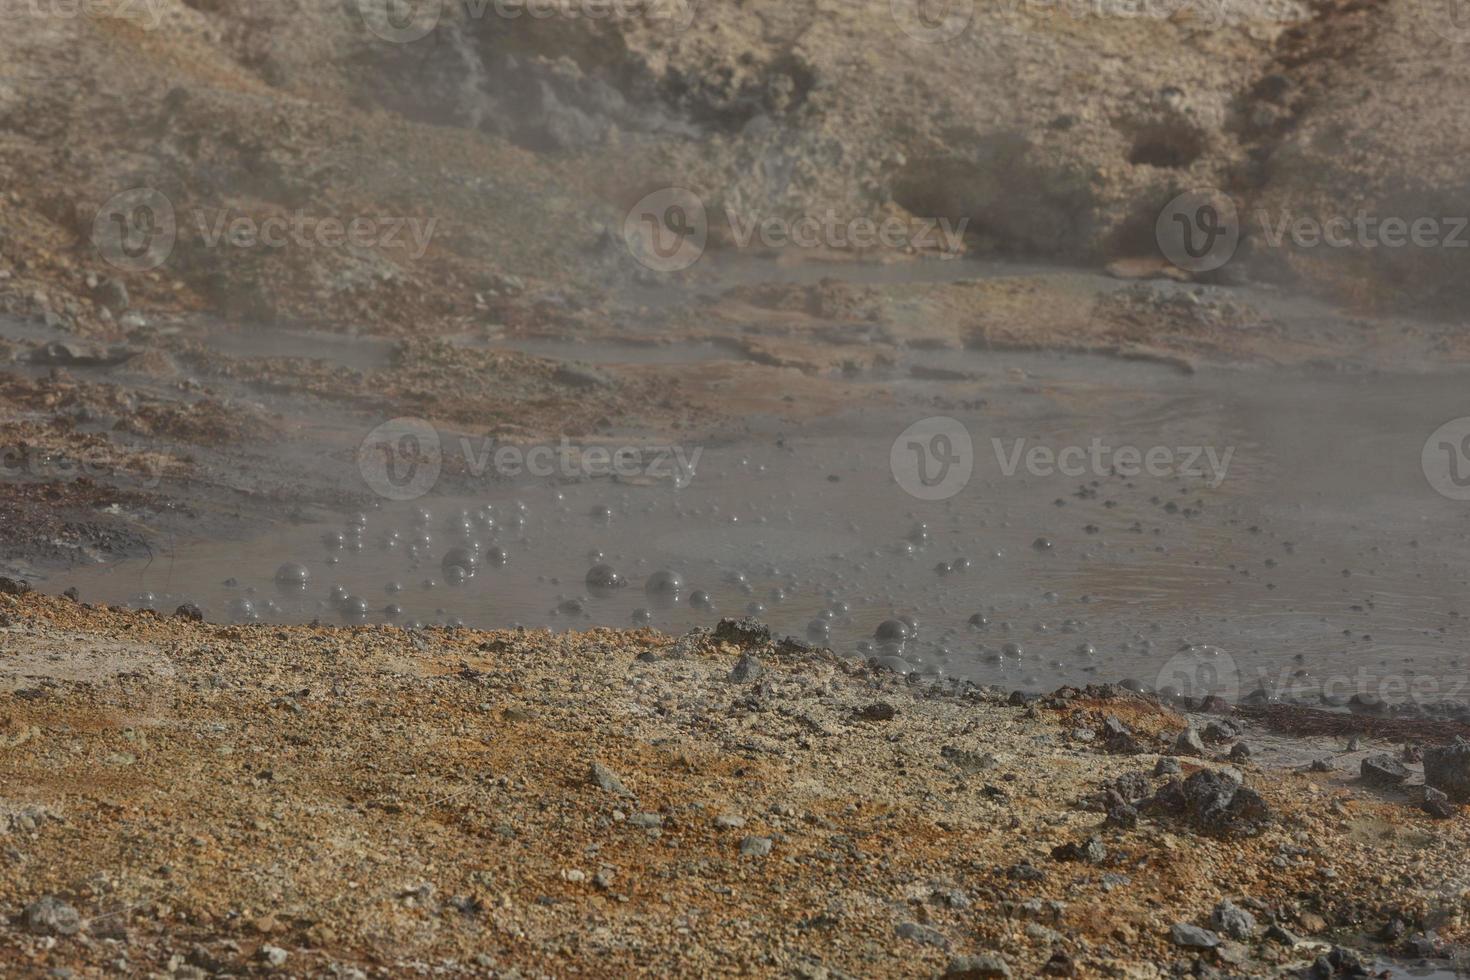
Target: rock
1192, 937
112, 294
1282, 935
1091, 850
1220, 731
1189, 743
755, 847
1133, 786
729, 821
1240, 752
1119, 739
1167, 766
606, 780
922, 934
190, 612
645, 821
747, 669
272, 956
1447, 769
1233, 921
50, 916
976, 967
742, 632
1383, 770
1438, 805
1320, 765
1214, 803
877, 711
10, 586
1060, 965
1124, 816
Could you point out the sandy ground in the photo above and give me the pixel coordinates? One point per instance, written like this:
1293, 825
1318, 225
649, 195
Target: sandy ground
314, 802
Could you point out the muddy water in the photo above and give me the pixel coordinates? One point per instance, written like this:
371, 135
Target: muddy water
1319, 555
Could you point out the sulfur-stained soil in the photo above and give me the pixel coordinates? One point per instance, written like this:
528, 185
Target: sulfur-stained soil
388, 803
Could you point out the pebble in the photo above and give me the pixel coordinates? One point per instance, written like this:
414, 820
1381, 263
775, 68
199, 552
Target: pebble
982, 966
755, 847
1383, 770
50, 916
1192, 937
748, 669
1233, 921
606, 780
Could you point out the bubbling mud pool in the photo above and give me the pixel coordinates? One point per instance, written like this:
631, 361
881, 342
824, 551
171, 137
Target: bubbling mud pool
1290, 544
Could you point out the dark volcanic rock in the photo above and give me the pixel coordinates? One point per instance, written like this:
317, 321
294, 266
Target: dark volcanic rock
743, 632
1447, 769
1383, 770
1212, 803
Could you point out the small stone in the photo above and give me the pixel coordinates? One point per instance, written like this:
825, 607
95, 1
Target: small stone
1282, 935
982, 966
1233, 920
755, 847
922, 934
1447, 768
729, 821
272, 956
50, 916
1192, 937
747, 669
1383, 770
190, 612
1167, 766
645, 821
1438, 805
1189, 743
1240, 752
1091, 850
605, 779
